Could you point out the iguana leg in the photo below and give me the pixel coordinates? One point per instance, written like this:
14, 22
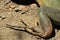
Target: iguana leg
53, 14
45, 23
43, 30
31, 31
24, 29
15, 27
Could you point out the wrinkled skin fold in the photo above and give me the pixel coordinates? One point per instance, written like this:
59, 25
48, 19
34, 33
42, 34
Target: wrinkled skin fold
45, 13
44, 28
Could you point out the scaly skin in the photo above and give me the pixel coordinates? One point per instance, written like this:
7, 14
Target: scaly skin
45, 23
45, 11
50, 8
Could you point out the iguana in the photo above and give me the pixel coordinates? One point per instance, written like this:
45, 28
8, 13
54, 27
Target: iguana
49, 9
